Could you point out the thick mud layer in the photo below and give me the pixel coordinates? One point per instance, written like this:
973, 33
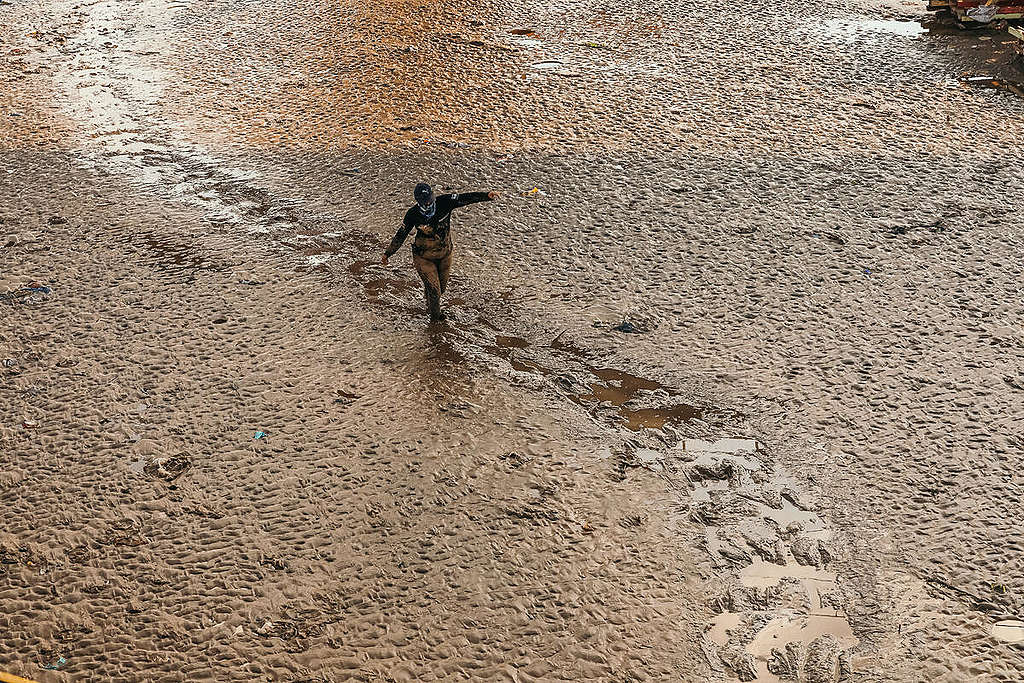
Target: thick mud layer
235, 446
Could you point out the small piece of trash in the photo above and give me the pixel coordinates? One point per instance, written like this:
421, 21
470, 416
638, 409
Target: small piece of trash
260, 435
1009, 630
982, 14
535, 190
626, 327
239, 630
266, 627
56, 665
867, 271
29, 424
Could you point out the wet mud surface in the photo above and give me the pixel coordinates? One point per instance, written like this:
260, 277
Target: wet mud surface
793, 227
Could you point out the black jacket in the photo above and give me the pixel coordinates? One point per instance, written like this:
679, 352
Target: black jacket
439, 225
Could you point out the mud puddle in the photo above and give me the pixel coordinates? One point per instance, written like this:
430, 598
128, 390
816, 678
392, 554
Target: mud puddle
614, 395
781, 613
171, 256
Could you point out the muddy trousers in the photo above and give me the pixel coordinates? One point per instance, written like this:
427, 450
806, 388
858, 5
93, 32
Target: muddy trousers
434, 273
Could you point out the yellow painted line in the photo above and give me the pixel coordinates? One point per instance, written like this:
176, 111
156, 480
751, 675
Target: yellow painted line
11, 678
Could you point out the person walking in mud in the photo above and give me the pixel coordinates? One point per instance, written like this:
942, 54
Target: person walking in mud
433, 246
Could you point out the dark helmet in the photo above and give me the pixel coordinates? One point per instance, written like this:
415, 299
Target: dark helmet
424, 195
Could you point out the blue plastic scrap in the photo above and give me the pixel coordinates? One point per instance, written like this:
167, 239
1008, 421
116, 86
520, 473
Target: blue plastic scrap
56, 665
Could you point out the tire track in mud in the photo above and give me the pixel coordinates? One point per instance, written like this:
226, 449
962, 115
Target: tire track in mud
781, 613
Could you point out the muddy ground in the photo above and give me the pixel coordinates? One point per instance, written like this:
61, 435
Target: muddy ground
234, 450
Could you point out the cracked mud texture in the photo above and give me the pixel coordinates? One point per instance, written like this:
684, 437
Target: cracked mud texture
812, 218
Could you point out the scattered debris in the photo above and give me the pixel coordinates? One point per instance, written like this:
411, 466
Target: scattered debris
260, 435
627, 327
26, 291
514, 459
61, 661
983, 14
168, 469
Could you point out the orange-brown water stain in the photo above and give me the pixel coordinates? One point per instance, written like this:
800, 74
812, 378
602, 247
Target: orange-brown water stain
361, 75
27, 93
389, 75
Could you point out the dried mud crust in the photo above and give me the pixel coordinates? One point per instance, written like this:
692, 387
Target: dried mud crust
399, 517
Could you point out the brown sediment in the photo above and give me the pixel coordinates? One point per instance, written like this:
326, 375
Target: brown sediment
826, 244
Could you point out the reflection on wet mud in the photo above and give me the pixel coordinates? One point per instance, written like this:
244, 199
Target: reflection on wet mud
851, 29
600, 388
627, 400
783, 618
989, 82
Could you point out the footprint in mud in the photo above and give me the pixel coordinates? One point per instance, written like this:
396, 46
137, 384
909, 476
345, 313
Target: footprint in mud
781, 615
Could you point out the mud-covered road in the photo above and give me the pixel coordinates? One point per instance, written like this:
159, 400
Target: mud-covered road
231, 447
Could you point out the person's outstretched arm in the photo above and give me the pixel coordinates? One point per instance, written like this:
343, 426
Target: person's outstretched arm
398, 239
472, 198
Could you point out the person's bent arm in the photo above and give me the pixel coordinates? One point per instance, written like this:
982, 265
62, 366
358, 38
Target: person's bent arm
397, 241
473, 197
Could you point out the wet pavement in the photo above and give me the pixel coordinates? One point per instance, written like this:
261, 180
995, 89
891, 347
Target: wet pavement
805, 213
